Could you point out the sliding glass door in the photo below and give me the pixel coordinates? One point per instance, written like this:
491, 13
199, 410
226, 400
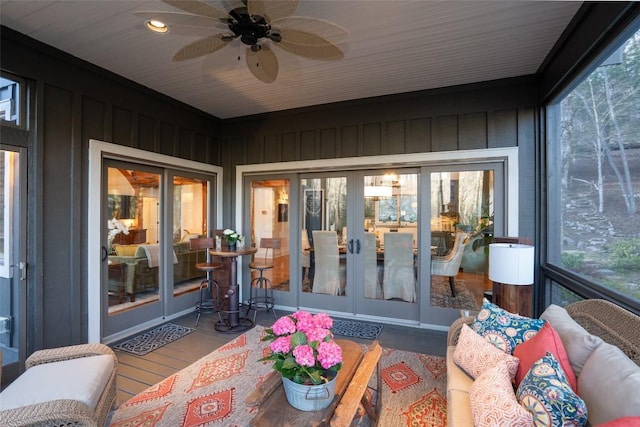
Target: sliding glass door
388, 252
406, 244
132, 256
268, 219
325, 209
13, 266
359, 235
151, 215
466, 207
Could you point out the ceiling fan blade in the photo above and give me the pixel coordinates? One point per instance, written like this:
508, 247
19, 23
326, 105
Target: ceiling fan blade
263, 64
309, 45
326, 29
199, 8
200, 48
272, 10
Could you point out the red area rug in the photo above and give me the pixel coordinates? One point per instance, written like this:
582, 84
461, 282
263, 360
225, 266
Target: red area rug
212, 391
413, 390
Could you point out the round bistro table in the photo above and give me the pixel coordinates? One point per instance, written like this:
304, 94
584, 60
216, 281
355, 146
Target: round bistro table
233, 322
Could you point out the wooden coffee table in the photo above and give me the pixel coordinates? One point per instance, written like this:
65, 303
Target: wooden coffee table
275, 411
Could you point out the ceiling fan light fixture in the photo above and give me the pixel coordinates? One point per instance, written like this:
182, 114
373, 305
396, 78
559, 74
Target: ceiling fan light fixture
157, 26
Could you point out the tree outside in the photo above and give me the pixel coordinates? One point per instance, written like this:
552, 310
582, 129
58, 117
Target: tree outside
600, 173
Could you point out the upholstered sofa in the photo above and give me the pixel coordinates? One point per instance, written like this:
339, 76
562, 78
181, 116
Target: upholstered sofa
602, 343
139, 273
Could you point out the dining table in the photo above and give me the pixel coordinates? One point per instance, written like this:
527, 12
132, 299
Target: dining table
233, 322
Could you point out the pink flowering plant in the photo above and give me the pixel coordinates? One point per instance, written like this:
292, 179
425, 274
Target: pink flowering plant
303, 349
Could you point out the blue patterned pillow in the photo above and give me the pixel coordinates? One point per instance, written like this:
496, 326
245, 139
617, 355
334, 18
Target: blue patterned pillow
546, 393
503, 329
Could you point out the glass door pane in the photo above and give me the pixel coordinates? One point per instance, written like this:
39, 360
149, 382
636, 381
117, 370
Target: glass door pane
462, 226
13, 268
324, 228
269, 211
389, 248
391, 215
134, 257
190, 219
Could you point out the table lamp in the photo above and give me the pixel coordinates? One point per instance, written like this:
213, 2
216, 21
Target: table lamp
511, 270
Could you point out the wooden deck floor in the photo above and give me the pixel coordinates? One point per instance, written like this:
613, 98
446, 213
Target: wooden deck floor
136, 373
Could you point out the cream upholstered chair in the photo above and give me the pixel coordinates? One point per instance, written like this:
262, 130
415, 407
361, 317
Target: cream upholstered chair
371, 284
399, 278
326, 279
449, 264
65, 386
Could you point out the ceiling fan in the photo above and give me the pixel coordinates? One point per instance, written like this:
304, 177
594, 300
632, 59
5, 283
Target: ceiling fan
260, 24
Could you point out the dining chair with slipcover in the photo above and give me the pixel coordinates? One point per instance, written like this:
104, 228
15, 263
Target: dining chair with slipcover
326, 278
399, 277
449, 264
371, 284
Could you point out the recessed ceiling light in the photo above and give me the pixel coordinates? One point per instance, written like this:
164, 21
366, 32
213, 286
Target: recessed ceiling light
157, 26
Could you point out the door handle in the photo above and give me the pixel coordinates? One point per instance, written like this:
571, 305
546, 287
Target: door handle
358, 246
350, 246
22, 266
105, 253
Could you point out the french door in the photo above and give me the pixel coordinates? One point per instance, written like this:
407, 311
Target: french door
361, 228
13, 267
406, 244
148, 267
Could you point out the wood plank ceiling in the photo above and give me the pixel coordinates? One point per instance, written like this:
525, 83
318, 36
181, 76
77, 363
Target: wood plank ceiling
392, 46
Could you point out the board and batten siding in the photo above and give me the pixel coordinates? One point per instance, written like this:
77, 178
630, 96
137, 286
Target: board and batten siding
484, 115
74, 102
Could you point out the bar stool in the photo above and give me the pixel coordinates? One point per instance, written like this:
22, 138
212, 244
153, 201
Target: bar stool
212, 304
261, 294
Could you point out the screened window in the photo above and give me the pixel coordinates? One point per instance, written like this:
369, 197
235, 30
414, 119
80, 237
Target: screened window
594, 176
12, 105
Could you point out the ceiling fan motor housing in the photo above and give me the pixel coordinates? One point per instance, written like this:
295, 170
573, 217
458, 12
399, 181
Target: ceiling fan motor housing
249, 28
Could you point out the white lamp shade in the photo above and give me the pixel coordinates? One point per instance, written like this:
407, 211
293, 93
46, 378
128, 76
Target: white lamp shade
511, 264
377, 191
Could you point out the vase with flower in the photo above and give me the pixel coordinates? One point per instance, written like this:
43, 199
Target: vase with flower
232, 237
304, 352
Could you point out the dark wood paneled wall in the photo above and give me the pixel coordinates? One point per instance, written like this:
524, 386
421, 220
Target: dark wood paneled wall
484, 115
74, 103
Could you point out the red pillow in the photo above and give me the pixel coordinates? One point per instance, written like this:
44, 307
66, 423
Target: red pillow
530, 351
622, 422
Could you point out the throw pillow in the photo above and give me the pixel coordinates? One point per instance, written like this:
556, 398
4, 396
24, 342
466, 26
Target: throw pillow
493, 402
622, 422
503, 329
530, 351
476, 356
545, 393
578, 343
609, 385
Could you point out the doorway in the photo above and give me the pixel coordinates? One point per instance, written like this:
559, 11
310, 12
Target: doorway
13, 266
151, 206
364, 242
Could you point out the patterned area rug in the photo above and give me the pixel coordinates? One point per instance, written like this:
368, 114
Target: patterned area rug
213, 390
413, 389
356, 329
155, 338
441, 294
